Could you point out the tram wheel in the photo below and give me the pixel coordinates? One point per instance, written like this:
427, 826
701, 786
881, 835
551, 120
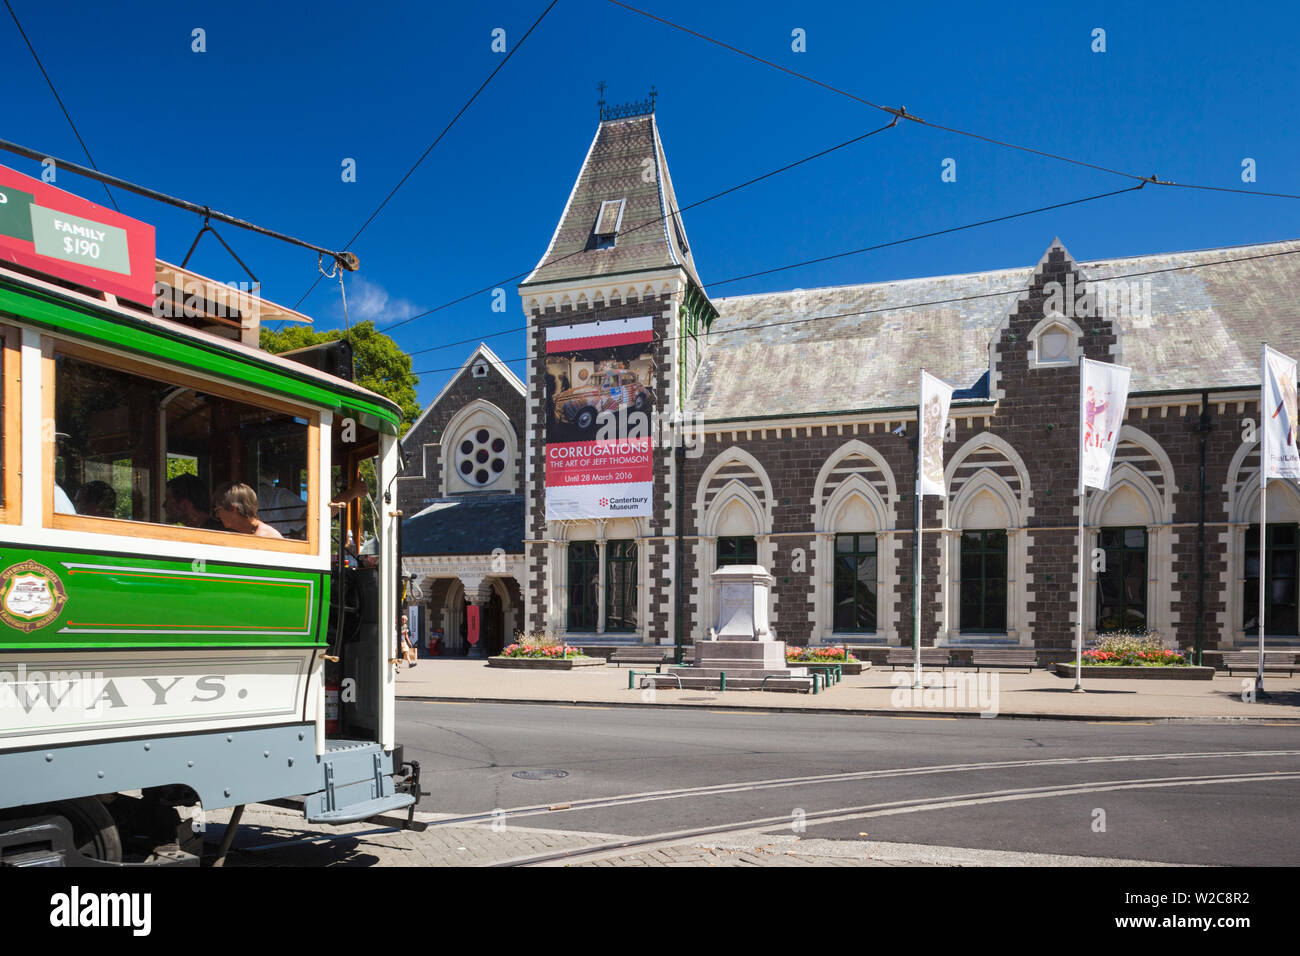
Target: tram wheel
94, 831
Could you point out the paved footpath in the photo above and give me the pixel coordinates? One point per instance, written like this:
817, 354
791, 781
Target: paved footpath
274, 836
877, 690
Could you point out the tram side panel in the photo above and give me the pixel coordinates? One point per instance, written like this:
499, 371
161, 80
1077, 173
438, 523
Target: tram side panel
123, 672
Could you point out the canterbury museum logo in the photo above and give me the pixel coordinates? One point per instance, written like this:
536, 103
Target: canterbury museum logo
663, 431
1119, 300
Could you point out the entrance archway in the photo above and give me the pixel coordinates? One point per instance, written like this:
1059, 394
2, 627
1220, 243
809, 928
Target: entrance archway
491, 624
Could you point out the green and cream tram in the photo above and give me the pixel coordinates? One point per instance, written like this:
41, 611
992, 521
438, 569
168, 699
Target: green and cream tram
152, 659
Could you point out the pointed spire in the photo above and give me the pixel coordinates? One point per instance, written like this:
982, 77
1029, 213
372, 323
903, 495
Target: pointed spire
625, 170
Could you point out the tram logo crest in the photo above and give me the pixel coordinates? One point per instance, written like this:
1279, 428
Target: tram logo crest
31, 596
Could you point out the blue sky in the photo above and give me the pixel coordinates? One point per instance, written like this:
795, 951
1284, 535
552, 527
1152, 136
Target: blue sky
259, 125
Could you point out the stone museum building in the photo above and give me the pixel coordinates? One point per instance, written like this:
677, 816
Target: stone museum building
796, 446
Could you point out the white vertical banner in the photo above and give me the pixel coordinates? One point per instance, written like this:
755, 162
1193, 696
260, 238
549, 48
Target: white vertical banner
415, 623
1103, 393
936, 397
1277, 459
1278, 404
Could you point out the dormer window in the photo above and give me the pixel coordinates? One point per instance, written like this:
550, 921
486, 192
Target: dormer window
1055, 342
608, 222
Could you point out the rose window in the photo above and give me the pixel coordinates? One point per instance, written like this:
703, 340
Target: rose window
481, 456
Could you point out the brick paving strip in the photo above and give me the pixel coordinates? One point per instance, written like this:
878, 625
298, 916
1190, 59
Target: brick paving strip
380, 843
1038, 695
377, 843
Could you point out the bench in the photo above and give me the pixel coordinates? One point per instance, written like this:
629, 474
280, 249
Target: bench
1248, 662
641, 655
897, 657
1025, 657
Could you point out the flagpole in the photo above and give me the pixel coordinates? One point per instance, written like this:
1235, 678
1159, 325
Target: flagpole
916, 564
1083, 492
1078, 611
1263, 510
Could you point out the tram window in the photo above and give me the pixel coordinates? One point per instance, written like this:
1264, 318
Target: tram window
135, 448
9, 424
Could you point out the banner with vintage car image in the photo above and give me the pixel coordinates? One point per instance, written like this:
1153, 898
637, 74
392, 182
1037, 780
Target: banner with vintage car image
599, 401
936, 398
1103, 393
1280, 417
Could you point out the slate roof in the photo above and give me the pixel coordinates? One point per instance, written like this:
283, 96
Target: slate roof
469, 524
613, 170
1204, 330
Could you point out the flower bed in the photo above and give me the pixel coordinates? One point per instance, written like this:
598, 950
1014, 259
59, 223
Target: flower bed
1126, 654
818, 655
1132, 649
547, 651
1163, 658
825, 655
543, 655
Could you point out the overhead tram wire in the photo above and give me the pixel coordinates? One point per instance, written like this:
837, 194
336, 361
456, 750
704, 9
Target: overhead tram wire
838, 255
902, 113
948, 301
49, 82
446, 130
344, 258
645, 225
924, 235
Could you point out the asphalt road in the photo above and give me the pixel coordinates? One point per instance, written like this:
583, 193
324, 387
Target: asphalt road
1222, 793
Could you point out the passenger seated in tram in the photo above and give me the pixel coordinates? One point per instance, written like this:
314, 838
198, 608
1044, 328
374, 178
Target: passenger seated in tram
96, 499
187, 503
62, 503
282, 510
235, 505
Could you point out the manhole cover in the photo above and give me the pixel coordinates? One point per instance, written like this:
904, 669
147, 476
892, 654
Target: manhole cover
540, 774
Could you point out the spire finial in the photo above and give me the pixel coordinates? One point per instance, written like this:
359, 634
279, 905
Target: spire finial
625, 110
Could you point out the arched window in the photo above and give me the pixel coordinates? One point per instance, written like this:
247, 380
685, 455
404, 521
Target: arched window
1127, 531
983, 563
1281, 610
855, 596
984, 549
584, 585
1122, 580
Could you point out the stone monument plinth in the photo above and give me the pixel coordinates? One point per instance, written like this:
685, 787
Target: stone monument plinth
741, 644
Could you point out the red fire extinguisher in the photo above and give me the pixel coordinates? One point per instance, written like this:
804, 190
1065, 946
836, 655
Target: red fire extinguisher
332, 706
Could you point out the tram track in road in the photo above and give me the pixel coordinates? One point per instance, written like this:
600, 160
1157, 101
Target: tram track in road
891, 808
595, 803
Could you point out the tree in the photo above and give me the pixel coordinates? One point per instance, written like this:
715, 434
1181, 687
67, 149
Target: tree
381, 365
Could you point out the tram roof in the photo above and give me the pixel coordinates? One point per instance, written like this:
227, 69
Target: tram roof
71, 312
